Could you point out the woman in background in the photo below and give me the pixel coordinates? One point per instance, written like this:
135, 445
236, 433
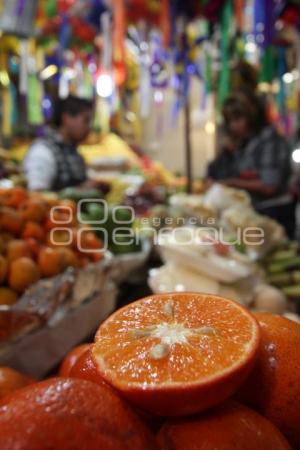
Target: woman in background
53, 163
255, 158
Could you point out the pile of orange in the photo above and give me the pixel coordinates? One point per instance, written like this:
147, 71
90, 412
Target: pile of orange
38, 238
187, 366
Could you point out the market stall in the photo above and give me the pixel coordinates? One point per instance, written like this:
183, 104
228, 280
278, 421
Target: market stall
164, 139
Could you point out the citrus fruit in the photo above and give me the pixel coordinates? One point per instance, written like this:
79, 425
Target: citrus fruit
10, 220
33, 230
33, 210
11, 380
51, 261
227, 427
71, 359
16, 249
273, 387
66, 414
14, 197
23, 273
86, 369
3, 268
177, 354
8, 296
34, 246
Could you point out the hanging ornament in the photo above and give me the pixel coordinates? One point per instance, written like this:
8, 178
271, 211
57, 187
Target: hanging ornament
211, 8
239, 6
64, 6
264, 22
119, 34
51, 8
224, 82
165, 22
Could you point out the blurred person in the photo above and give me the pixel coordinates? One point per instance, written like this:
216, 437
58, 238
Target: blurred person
54, 163
256, 158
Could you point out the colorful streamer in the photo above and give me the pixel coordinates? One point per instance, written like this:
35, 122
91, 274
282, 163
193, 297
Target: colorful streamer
224, 83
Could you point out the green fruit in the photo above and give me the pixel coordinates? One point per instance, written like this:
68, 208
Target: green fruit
96, 211
123, 216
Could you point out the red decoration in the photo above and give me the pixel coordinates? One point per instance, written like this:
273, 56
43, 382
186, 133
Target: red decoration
82, 30
148, 10
165, 22
239, 6
63, 6
119, 33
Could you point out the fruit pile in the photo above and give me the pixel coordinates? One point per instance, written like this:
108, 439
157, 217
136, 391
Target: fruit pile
283, 270
169, 372
39, 239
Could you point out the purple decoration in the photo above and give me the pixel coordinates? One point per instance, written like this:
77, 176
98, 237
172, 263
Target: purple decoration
20, 6
265, 12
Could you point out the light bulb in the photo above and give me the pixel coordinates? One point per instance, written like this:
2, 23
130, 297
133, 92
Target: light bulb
105, 85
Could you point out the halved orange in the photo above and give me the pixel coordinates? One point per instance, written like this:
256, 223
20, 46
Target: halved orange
177, 354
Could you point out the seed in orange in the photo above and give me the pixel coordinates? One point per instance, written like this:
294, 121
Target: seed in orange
8, 296
273, 387
11, 380
65, 414
34, 210
51, 261
230, 426
23, 272
16, 249
177, 354
71, 359
33, 230
11, 221
3, 268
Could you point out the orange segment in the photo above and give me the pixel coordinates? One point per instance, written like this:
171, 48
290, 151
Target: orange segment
184, 342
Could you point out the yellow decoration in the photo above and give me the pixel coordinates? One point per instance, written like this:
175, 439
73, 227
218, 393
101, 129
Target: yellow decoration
6, 112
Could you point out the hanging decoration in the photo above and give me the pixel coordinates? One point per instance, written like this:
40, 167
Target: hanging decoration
224, 81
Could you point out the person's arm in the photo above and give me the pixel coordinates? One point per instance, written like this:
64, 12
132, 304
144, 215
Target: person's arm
272, 171
39, 167
256, 186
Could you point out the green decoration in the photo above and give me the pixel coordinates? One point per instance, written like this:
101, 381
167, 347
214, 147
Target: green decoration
208, 74
224, 81
267, 65
34, 101
51, 8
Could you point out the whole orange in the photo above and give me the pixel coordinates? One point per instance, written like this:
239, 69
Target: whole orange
273, 387
70, 257
11, 380
11, 221
8, 296
71, 359
3, 268
16, 249
33, 230
34, 246
86, 369
51, 261
34, 210
69, 414
14, 197
227, 427
23, 272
